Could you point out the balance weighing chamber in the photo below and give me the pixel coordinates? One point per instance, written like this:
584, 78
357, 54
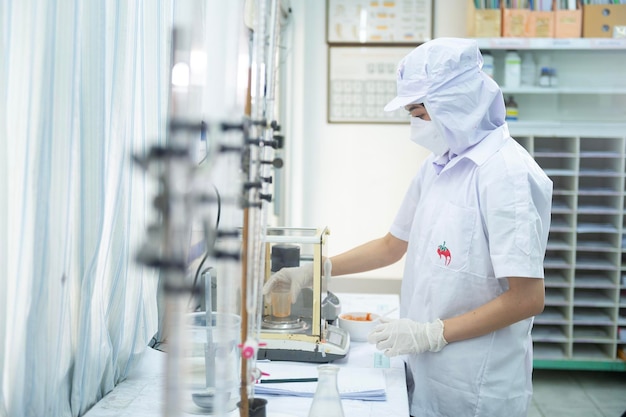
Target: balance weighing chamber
307, 333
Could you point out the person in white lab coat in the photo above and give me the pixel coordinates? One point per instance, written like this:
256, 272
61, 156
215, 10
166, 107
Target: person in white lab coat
474, 227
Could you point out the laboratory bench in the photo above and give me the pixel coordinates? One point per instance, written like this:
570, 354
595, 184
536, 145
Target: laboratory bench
141, 393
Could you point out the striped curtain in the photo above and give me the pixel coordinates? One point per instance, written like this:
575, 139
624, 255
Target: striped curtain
83, 86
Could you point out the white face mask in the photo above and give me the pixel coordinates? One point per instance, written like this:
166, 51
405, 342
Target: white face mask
424, 133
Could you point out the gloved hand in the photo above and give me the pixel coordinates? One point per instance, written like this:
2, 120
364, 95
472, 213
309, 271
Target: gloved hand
295, 277
405, 336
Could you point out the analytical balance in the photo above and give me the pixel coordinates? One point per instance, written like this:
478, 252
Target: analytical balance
306, 333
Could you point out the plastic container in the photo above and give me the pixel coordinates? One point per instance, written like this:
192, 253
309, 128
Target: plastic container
554, 79
281, 301
488, 64
544, 77
548, 77
512, 111
512, 69
528, 69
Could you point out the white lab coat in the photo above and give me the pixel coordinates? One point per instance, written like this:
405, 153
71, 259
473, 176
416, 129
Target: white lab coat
471, 222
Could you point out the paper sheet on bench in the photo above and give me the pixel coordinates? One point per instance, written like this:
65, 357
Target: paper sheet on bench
366, 384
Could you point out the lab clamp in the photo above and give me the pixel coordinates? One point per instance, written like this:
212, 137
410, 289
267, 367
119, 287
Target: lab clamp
301, 331
238, 252
166, 248
167, 244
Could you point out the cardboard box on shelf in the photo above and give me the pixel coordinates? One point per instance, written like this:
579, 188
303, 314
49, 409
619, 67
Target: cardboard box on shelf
515, 23
602, 20
483, 23
568, 23
541, 24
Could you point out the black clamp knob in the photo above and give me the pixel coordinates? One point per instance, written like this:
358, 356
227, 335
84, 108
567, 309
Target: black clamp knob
280, 141
186, 125
276, 162
228, 148
262, 142
226, 255
228, 233
231, 126
249, 185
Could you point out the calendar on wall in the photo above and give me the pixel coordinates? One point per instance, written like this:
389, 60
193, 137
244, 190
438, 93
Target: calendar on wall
378, 21
362, 80
366, 40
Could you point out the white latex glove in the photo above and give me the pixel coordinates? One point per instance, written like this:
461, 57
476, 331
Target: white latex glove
405, 336
295, 277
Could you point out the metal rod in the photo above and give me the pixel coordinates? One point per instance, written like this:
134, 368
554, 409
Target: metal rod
243, 405
209, 354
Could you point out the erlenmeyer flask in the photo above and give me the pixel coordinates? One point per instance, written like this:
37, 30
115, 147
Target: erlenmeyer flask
326, 401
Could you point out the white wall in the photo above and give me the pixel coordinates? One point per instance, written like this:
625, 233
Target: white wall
349, 177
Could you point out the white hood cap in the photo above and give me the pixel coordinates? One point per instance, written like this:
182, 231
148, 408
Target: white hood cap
433, 63
445, 74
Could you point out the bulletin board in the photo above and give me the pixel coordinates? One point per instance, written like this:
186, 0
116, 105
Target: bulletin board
378, 21
361, 81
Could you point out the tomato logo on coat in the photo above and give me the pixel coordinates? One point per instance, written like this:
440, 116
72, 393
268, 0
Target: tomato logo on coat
445, 252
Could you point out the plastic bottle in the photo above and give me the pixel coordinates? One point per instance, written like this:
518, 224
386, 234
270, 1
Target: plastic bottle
488, 64
512, 112
554, 79
544, 77
512, 69
529, 69
326, 401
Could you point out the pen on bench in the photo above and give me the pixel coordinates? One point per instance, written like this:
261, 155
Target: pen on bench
281, 381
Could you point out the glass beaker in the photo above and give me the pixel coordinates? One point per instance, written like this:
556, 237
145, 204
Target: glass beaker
211, 359
326, 401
